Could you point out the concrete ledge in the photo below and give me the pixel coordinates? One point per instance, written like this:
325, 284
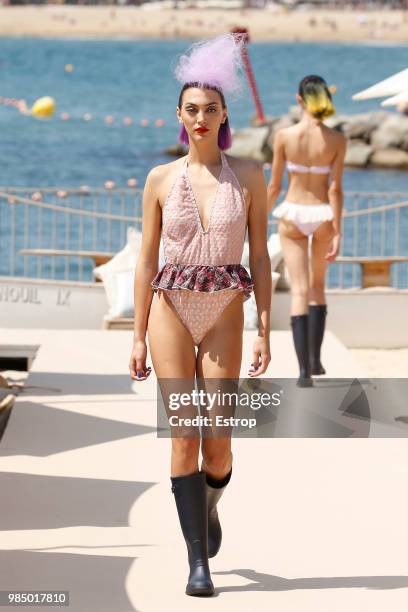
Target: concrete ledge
368, 318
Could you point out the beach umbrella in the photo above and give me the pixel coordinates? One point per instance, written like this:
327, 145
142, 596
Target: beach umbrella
389, 87
401, 97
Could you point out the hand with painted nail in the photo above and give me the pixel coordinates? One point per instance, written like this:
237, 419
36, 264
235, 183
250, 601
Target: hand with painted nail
261, 357
137, 363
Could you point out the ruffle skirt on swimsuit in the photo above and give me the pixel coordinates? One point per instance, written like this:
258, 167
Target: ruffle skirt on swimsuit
208, 279
303, 213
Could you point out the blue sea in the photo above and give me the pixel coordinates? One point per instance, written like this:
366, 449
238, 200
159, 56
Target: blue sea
131, 78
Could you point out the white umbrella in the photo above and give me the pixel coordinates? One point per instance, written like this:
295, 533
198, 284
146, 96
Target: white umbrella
389, 87
401, 97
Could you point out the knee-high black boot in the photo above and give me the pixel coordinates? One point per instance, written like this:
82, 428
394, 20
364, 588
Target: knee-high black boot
215, 488
317, 320
300, 331
191, 501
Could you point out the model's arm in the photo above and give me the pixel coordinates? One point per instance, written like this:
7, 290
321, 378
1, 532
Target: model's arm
260, 267
146, 269
278, 168
336, 197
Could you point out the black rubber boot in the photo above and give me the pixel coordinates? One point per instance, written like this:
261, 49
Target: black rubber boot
215, 488
191, 501
300, 331
317, 320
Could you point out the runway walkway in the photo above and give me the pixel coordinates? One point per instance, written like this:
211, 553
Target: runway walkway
310, 524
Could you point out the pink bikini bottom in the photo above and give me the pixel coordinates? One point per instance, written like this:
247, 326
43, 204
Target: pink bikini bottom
198, 310
307, 217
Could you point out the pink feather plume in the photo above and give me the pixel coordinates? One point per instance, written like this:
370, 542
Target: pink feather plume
216, 62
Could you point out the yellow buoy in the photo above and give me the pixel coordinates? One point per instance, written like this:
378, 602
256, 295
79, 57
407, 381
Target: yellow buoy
44, 107
69, 68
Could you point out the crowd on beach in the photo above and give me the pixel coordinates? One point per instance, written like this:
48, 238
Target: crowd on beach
360, 5
266, 20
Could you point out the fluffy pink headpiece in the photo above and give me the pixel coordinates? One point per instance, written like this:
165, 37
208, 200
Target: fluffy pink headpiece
215, 62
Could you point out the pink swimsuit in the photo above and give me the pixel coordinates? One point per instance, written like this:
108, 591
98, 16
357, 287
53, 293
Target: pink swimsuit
203, 273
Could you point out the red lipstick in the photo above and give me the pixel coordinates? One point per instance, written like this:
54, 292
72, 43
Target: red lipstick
201, 130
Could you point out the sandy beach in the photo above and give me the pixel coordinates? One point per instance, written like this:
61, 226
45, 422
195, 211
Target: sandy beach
264, 25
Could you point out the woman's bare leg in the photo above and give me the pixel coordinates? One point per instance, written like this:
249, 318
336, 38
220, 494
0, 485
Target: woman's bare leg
321, 241
173, 355
295, 252
219, 356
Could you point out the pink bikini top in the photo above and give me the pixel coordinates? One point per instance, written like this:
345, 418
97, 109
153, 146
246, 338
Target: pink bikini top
293, 167
185, 240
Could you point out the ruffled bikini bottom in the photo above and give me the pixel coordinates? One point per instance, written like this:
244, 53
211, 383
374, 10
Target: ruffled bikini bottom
307, 217
200, 293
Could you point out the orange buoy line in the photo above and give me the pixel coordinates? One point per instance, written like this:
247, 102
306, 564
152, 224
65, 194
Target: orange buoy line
44, 108
38, 196
20, 105
111, 120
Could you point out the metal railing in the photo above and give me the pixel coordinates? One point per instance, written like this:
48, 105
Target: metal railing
63, 219
374, 224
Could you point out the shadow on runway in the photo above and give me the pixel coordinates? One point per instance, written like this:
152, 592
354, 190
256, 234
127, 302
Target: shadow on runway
77, 383
31, 501
270, 582
40, 430
95, 583
332, 408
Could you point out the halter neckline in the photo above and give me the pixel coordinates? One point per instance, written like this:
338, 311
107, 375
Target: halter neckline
224, 162
185, 240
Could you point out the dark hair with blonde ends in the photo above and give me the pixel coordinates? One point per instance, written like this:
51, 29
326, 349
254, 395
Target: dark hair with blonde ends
316, 96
